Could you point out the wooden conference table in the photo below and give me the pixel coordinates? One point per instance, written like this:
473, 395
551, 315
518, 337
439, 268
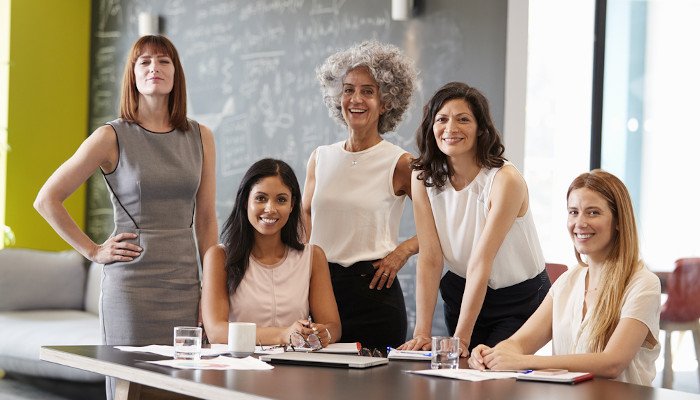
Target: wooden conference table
305, 382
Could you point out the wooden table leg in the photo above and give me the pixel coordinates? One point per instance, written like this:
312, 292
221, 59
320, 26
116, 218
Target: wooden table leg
126, 390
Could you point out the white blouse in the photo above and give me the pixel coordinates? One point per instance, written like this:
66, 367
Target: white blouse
460, 217
641, 301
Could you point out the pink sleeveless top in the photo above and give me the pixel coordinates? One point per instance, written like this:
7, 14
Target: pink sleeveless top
274, 295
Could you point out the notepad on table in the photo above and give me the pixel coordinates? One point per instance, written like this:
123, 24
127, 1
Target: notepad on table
568, 377
414, 355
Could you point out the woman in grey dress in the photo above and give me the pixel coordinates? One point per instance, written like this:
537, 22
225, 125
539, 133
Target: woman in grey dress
160, 169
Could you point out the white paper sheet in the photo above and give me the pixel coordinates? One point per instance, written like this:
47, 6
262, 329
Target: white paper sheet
220, 362
419, 355
222, 349
169, 351
473, 375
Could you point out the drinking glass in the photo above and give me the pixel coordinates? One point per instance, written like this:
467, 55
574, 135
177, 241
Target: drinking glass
445, 352
187, 342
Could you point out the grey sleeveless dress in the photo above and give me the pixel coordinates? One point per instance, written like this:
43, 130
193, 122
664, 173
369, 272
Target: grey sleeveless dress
153, 190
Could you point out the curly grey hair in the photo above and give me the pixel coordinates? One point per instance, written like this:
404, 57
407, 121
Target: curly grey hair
394, 72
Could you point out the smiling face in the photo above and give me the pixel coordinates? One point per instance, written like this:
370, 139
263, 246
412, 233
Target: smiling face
154, 73
360, 103
591, 224
455, 129
269, 205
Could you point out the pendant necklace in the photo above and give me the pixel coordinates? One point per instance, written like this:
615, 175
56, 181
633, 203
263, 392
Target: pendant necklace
353, 155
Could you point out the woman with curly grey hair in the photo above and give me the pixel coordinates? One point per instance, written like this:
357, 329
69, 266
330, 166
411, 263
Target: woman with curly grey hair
355, 191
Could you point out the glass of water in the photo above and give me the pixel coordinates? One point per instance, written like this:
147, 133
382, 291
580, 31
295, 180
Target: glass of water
187, 342
445, 352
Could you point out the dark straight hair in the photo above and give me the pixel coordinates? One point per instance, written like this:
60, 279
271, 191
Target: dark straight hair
237, 234
432, 162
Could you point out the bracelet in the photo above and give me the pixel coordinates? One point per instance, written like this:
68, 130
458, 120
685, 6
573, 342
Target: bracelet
329, 335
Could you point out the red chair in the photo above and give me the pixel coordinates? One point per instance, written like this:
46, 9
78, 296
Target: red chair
555, 270
681, 311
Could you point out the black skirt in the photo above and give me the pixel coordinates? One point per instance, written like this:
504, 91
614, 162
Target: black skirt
504, 310
375, 318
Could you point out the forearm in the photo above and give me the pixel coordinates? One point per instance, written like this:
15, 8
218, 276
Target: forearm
428, 283
599, 364
57, 216
472, 301
206, 230
306, 220
409, 247
272, 335
217, 331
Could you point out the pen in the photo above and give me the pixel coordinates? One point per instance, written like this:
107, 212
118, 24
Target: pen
521, 371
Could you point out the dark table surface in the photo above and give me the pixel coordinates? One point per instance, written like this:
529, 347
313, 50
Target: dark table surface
306, 382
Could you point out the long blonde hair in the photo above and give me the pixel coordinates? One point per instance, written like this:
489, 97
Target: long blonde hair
623, 259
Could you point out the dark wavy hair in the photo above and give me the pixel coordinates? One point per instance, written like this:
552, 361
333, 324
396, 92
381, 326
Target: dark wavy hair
432, 163
237, 234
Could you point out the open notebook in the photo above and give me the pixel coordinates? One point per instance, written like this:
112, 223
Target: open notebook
324, 359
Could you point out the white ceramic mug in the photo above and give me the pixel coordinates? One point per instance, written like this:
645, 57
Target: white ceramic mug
241, 338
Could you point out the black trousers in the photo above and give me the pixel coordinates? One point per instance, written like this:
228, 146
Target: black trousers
375, 318
504, 310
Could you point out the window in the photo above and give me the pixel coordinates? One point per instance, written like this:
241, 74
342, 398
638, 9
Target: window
650, 138
557, 137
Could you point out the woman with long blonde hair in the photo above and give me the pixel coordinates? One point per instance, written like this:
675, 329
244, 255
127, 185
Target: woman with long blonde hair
603, 314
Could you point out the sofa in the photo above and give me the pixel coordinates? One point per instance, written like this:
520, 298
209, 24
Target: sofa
47, 298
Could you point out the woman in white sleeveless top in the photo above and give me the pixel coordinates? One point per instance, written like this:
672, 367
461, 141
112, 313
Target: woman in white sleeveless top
355, 191
602, 315
262, 272
472, 212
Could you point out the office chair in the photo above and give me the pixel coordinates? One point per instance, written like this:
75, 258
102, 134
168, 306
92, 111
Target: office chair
681, 311
555, 270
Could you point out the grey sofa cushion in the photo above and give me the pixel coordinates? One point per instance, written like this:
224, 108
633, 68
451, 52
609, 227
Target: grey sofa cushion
93, 288
24, 332
34, 279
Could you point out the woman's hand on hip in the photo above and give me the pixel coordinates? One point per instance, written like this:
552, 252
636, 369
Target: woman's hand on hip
387, 268
116, 249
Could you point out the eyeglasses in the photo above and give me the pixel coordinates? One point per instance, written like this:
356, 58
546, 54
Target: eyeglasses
365, 352
298, 341
272, 347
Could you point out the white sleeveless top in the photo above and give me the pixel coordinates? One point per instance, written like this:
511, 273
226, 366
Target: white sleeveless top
460, 217
355, 214
274, 295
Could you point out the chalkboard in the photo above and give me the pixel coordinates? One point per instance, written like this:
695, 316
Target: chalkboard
250, 77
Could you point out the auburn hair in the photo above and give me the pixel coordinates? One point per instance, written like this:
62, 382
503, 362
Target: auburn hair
177, 101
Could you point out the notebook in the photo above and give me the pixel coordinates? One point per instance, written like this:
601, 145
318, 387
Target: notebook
324, 359
569, 377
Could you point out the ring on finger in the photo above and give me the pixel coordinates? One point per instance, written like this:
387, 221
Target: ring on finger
385, 274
